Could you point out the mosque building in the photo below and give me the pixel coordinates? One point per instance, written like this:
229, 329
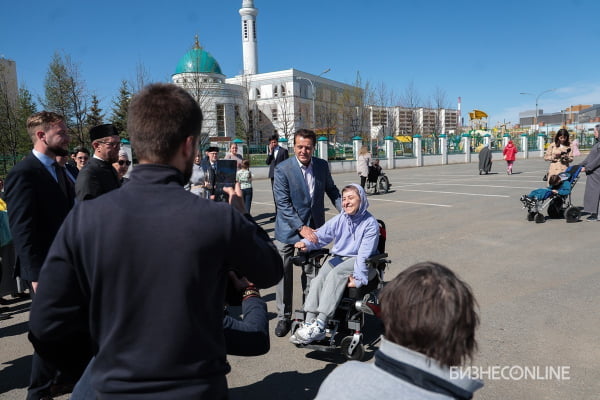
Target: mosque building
253, 106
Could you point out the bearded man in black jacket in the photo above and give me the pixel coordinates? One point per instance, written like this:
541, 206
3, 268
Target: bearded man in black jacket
142, 269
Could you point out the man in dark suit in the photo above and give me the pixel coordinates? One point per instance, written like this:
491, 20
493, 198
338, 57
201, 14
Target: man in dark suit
276, 155
39, 196
300, 185
99, 176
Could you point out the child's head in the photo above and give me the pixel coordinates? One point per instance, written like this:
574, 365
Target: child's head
245, 163
554, 180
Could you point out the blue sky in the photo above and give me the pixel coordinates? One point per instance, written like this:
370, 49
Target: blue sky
487, 52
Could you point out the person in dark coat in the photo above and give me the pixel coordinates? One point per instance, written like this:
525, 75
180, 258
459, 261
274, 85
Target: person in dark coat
39, 196
99, 176
485, 160
276, 155
149, 287
591, 196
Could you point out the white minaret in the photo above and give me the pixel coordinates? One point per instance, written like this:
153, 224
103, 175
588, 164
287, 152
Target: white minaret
249, 45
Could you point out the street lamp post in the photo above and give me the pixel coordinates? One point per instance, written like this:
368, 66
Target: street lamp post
312, 88
536, 104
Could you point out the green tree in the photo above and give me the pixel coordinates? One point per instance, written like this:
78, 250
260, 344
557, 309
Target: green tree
65, 93
119, 110
94, 115
15, 106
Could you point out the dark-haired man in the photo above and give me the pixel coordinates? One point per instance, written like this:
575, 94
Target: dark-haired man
300, 185
429, 316
99, 176
150, 287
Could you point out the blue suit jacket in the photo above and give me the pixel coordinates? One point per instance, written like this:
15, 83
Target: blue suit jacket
294, 205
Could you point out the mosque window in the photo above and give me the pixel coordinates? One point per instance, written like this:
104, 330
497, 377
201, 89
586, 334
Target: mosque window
273, 114
254, 30
220, 120
245, 29
275, 94
258, 93
283, 90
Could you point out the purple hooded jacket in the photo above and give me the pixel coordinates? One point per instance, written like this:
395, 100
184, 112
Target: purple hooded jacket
354, 235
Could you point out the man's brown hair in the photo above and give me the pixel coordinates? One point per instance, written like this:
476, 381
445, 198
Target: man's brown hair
428, 309
160, 118
43, 119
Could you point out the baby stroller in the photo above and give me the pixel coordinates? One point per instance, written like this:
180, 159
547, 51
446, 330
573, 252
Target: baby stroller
377, 182
558, 205
344, 330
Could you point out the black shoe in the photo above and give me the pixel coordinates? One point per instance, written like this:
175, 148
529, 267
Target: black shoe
592, 217
283, 327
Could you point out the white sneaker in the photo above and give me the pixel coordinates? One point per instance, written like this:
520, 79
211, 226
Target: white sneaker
309, 333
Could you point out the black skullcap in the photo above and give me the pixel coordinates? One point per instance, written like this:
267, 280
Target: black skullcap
102, 131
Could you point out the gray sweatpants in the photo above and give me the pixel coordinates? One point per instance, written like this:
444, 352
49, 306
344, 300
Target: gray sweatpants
326, 289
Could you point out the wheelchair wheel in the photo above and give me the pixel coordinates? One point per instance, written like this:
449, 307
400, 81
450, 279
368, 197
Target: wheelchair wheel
572, 214
383, 184
357, 353
539, 218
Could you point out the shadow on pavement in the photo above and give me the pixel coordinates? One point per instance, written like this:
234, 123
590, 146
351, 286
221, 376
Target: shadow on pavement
14, 330
284, 385
15, 375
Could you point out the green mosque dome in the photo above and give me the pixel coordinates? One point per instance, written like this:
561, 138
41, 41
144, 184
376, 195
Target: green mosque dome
199, 61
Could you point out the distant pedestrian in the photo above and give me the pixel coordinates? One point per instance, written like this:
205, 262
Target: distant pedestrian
276, 155
244, 177
575, 148
591, 196
509, 152
485, 160
363, 161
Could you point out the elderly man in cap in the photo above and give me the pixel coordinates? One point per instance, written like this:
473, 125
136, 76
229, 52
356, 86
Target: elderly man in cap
99, 176
209, 167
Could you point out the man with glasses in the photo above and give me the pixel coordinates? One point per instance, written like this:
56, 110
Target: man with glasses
99, 176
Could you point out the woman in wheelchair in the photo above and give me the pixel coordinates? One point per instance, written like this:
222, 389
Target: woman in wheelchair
356, 234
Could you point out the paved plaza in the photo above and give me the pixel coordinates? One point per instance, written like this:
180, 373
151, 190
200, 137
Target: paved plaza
537, 286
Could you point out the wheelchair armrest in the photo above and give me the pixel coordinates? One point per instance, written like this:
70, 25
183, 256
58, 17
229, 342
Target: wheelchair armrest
303, 257
376, 257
